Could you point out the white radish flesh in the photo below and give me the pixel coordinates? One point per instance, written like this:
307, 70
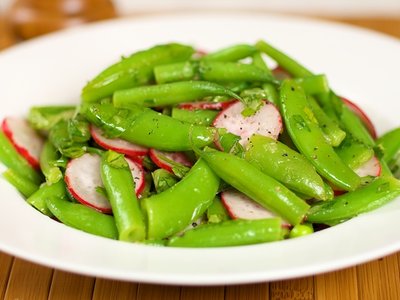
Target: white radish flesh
165, 159
117, 144
369, 168
25, 139
266, 121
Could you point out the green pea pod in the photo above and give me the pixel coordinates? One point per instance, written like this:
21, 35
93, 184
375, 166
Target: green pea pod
169, 94
232, 53
287, 166
314, 84
22, 184
163, 180
119, 184
172, 210
48, 157
301, 230
390, 144
233, 72
134, 70
146, 127
37, 199
216, 212
354, 153
259, 62
369, 197
260, 187
13, 160
203, 117
309, 138
231, 233
45, 117
180, 71
82, 217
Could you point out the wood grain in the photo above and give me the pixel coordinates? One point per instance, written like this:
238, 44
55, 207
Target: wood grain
337, 285
6, 262
202, 293
28, 281
110, 289
67, 286
299, 289
249, 291
159, 292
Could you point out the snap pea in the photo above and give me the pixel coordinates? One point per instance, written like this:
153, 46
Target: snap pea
332, 132
314, 84
259, 62
309, 139
390, 144
148, 128
232, 53
233, 72
21, 183
135, 70
48, 157
169, 94
37, 199
216, 212
354, 153
45, 117
180, 71
287, 166
230, 233
13, 160
377, 193
203, 117
301, 230
172, 210
260, 187
163, 180
82, 217
118, 182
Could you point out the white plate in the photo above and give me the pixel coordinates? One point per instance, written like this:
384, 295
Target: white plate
361, 65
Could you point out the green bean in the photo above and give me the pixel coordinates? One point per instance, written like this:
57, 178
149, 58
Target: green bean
163, 180
172, 210
216, 212
45, 117
135, 70
232, 53
203, 117
332, 132
48, 156
118, 182
287, 166
82, 217
369, 197
284, 61
260, 187
181, 71
13, 160
231, 233
169, 94
233, 72
309, 139
146, 127
37, 199
22, 184
301, 230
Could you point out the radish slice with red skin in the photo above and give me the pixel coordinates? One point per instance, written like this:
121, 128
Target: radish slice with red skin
24, 138
116, 144
206, 105
280, 73
362, 115
239, 206
82, 177
177, 157
266, 121
370, 168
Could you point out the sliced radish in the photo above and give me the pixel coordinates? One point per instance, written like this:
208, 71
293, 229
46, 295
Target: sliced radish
362, 115
116, 144
239, 206
369, 168
25, 139
82, 178
280, 73
266, 121
166, 160
206, 105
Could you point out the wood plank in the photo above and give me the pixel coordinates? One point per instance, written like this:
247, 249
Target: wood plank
379, 279
258, 291
302, 288
70, 286
202, 293
340, 285
159, 292
28, 281
6, 262
112, 289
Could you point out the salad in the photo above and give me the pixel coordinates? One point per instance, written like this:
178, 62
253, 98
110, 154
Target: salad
176, 147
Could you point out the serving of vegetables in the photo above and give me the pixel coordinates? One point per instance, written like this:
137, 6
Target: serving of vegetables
175, 147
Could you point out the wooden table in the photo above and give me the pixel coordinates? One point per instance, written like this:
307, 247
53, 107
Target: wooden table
379, 279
